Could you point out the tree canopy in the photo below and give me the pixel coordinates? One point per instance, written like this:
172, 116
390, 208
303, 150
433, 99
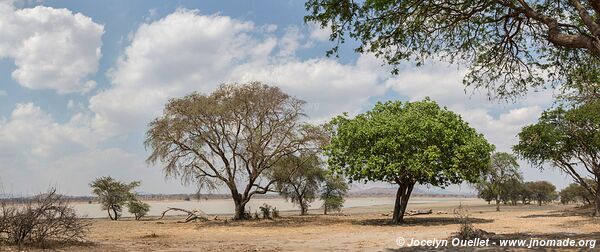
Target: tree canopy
298, 179
407, 143
113, 194
568, 139
509, 46
231, 137
333, 191
500, 178
542, 191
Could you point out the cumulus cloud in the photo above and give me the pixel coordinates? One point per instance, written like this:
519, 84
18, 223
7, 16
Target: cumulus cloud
36, 152
51, 48
187, 51
319, 34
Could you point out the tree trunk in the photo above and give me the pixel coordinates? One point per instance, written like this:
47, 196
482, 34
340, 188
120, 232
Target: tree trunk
402, 197
497, 203
303, 208
109, 215
324, 210
597, 198
116, 215
240, 208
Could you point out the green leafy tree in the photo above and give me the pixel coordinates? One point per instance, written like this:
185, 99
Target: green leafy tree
231, 138
333, 192
568, 139
570, 194
486, 194
575, 193
298, 179
542, 191
509, 46
113, 194
499, 176
407, 143
138, 209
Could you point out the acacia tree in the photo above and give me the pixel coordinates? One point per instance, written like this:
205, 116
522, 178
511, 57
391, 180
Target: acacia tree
568, 139
542, 191
509, 46
333, 191
407, 143
232, 137
113, 194
298, 179
495, 180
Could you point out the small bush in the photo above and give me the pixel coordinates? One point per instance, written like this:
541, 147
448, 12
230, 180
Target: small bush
43, 218
466, 230
266, 211
276, 213
138, 209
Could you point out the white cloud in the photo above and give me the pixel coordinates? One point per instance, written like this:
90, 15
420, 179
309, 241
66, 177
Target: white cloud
186, 52
51, 48
319, 34
37, 152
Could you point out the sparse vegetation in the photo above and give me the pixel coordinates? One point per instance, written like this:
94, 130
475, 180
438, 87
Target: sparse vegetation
333, 192
113, 194
42, 219
542, 191
267, 211
575, 193
500, 180
298, 179
138, 209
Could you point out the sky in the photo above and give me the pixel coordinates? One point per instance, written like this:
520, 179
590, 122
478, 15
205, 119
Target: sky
80, 80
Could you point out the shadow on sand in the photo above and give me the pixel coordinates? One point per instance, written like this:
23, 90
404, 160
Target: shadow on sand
421, 221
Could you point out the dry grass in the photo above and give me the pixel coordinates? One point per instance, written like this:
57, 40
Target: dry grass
359, 229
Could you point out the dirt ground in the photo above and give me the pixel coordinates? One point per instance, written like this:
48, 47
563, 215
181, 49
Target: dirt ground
357, 229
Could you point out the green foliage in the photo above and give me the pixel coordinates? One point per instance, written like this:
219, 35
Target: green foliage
298, 179
407, 143
333, 192
138, 209
113, 194
417, 141
267, 211
501, 179
568, 139
575, 193
542, 191
508, 46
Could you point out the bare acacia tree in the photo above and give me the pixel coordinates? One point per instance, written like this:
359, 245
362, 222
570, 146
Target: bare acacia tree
232, 137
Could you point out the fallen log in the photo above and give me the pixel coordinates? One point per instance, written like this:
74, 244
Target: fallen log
195, 214
419, 212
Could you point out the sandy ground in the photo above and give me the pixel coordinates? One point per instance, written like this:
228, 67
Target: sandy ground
357, 229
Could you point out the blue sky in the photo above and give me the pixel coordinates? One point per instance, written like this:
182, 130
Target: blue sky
79, 80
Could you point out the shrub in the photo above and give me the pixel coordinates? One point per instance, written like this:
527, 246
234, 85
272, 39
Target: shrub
275, 213
138, 209
266, 211
43, 218
466, 229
